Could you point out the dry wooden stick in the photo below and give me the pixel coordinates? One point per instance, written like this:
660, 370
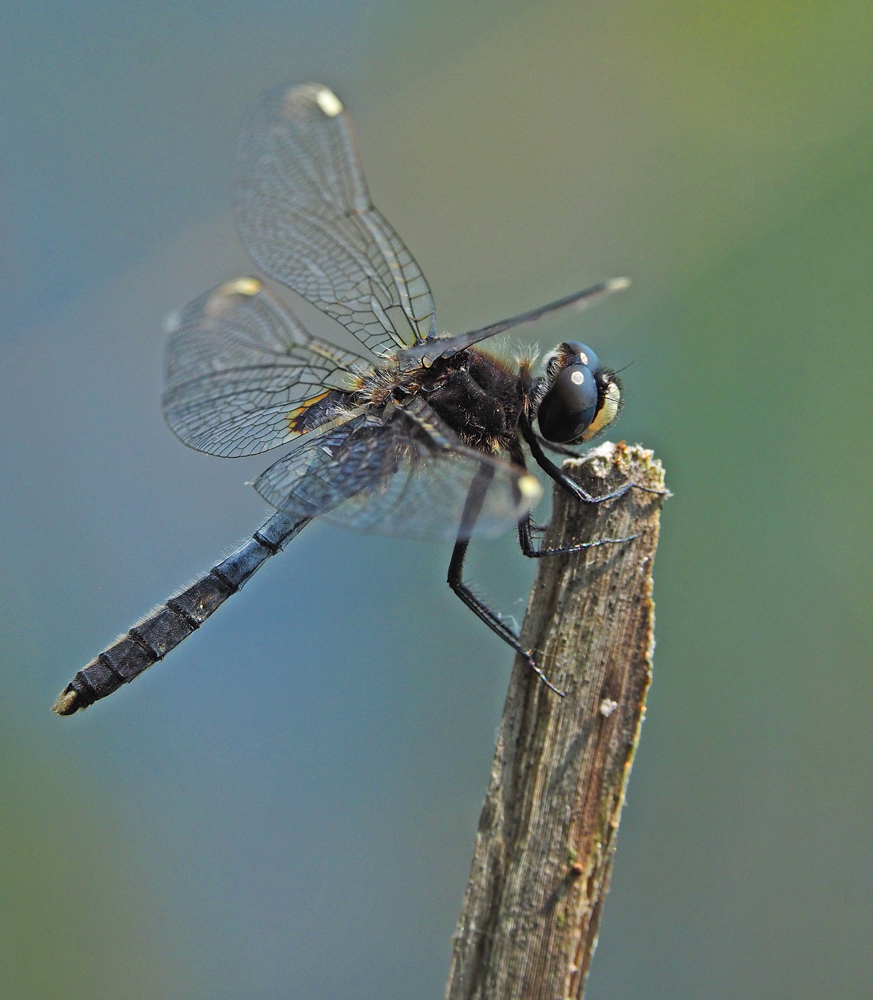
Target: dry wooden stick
547, 832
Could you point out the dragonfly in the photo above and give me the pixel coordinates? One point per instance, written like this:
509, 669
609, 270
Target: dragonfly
413, 434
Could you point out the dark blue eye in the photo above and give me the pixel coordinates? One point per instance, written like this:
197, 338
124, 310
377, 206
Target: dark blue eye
584, 352
570, 404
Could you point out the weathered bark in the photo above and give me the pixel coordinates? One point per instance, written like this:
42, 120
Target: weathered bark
547, 832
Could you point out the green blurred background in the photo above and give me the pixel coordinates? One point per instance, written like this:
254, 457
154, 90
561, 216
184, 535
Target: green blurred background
286, 808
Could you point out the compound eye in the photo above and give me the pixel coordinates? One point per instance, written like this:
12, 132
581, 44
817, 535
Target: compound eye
608, 410
582, 354
569, 406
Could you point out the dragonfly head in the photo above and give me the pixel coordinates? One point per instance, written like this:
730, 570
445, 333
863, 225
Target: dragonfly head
581, 398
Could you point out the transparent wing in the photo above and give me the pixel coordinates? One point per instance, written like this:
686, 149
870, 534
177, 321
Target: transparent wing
397, 477
444, 347
305, 215
244, 376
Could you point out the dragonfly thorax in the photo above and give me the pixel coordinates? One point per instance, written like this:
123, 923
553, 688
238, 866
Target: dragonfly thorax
479, 396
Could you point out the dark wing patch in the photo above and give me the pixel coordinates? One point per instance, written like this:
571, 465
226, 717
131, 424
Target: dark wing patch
242, 373
400, 476
305, 215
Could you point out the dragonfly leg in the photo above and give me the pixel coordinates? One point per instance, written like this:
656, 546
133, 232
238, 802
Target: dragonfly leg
529, 548
562, 479
481, 610
559, 448
455, 579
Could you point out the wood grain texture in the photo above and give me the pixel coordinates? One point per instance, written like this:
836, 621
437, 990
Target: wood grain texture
548, 828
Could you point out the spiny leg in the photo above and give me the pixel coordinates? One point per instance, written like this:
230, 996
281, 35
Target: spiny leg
527, 526
562, 479
528, 546
472, 510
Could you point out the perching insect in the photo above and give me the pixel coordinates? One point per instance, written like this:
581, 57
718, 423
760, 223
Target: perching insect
417, 435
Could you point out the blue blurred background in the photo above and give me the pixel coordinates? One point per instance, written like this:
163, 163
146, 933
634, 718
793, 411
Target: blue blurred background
286, 807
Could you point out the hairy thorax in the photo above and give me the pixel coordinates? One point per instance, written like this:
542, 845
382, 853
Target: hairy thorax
477, 395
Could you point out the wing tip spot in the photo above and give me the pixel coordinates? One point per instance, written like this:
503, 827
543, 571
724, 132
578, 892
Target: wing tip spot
329, 103
530, 489
241, 286
618, 284
221, 301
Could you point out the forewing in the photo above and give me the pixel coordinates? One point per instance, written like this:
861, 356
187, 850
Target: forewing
305, 215
445, 347
244, 376
396, 478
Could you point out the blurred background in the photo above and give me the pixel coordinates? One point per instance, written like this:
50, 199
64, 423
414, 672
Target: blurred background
286, 807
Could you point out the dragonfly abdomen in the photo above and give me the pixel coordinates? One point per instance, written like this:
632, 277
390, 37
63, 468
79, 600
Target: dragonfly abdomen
151, 639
